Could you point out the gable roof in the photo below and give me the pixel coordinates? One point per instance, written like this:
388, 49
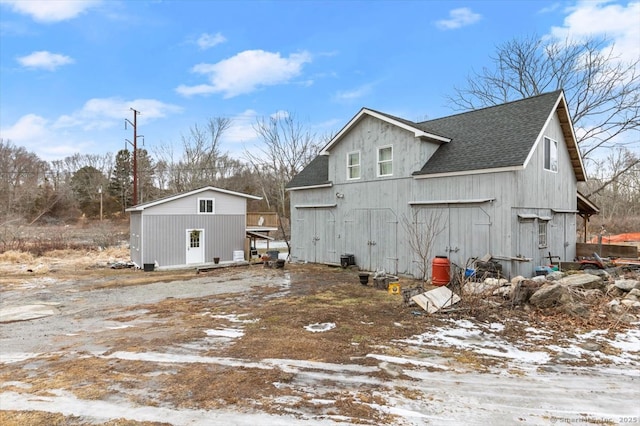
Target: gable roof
142, 206
396, 121
500, 137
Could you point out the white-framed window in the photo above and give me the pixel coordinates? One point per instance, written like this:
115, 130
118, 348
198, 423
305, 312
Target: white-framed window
542, 233
550, 154
206, 206
353, 165
385, 161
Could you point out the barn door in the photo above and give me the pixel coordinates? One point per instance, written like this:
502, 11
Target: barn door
316, 243
195, 246
372, 235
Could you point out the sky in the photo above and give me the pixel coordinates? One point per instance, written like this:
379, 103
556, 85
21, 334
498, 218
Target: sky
70, 71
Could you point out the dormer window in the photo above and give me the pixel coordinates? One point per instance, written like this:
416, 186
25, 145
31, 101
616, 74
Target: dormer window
385, 161
353, 165
550, 155
206, 206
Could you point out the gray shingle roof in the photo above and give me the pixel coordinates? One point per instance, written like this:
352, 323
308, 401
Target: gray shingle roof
315, 173
495, 137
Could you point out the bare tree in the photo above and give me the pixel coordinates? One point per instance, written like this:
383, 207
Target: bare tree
422, 232
197, 164
287, 147
603, 93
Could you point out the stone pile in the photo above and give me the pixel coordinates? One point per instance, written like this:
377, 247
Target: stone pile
573, 293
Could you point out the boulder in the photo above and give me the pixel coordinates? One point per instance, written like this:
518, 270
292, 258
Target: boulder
550, 295
585, 281
627, 285
555, 276
517, 279
522, 291
539, 279
614, 291
614, 306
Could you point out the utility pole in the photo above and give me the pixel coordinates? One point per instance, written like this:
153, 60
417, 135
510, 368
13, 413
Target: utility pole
135, 151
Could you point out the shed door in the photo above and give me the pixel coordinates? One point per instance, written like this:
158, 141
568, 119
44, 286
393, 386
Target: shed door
195, 246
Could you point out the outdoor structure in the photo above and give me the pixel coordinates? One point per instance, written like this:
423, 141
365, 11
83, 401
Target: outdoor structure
500, 180
189, 228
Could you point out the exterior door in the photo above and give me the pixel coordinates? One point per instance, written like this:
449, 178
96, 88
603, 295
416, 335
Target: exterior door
317, 228
195, 246
371, 234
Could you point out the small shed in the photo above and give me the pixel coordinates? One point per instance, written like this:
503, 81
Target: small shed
189, 228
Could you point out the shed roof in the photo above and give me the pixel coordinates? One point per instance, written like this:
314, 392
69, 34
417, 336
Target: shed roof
142, 206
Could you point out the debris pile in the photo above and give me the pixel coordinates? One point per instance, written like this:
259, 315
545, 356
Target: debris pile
578, 294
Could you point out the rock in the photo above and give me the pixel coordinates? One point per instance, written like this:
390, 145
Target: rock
522, 291
592, 294
614, 306
631, 297
627, 318
517, 279
555, 276
635, 292
539, 279
590, 346
577, 309
504, 291
631, 304
614, 291
627, 285
597, 272
585, 281
550, 295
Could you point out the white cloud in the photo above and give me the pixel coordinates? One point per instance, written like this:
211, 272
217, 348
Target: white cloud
618, 22
241, 130
206, 41
47, 11
36, 134
44, 60
246, 72
357, 93
458, 18
81, 129
103, 113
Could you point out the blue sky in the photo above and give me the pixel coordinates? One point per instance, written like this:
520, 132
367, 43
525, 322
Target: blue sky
70, 70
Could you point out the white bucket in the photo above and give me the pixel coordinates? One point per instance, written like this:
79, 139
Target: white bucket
238, 255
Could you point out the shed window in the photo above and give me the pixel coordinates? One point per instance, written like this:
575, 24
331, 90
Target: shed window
353, 165
385, 161
550, 155
542, 233
206, 205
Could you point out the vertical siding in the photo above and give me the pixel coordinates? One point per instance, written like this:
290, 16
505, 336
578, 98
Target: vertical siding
224, 204
165, 237
373, 208
135, 229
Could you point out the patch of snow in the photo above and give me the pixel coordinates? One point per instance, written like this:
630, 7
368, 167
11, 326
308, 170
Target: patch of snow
226, 332
8, 358
320, 327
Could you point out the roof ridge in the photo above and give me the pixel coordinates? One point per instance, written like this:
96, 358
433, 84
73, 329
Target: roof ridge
506, 104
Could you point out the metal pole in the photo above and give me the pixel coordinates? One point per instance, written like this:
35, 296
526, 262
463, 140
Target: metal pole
135, 156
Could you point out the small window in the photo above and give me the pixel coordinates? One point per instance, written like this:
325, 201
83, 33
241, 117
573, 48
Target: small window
542, 233
206, 205
353, 165
550, 155
385, 161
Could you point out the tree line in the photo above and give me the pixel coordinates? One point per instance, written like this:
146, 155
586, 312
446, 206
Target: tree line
602, 91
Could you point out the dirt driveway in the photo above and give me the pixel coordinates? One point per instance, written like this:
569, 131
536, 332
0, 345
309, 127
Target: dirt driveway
301, 345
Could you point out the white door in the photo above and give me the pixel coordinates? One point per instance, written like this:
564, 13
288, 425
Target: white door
195, 245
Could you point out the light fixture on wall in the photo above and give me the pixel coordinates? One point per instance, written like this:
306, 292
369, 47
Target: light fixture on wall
339, 195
